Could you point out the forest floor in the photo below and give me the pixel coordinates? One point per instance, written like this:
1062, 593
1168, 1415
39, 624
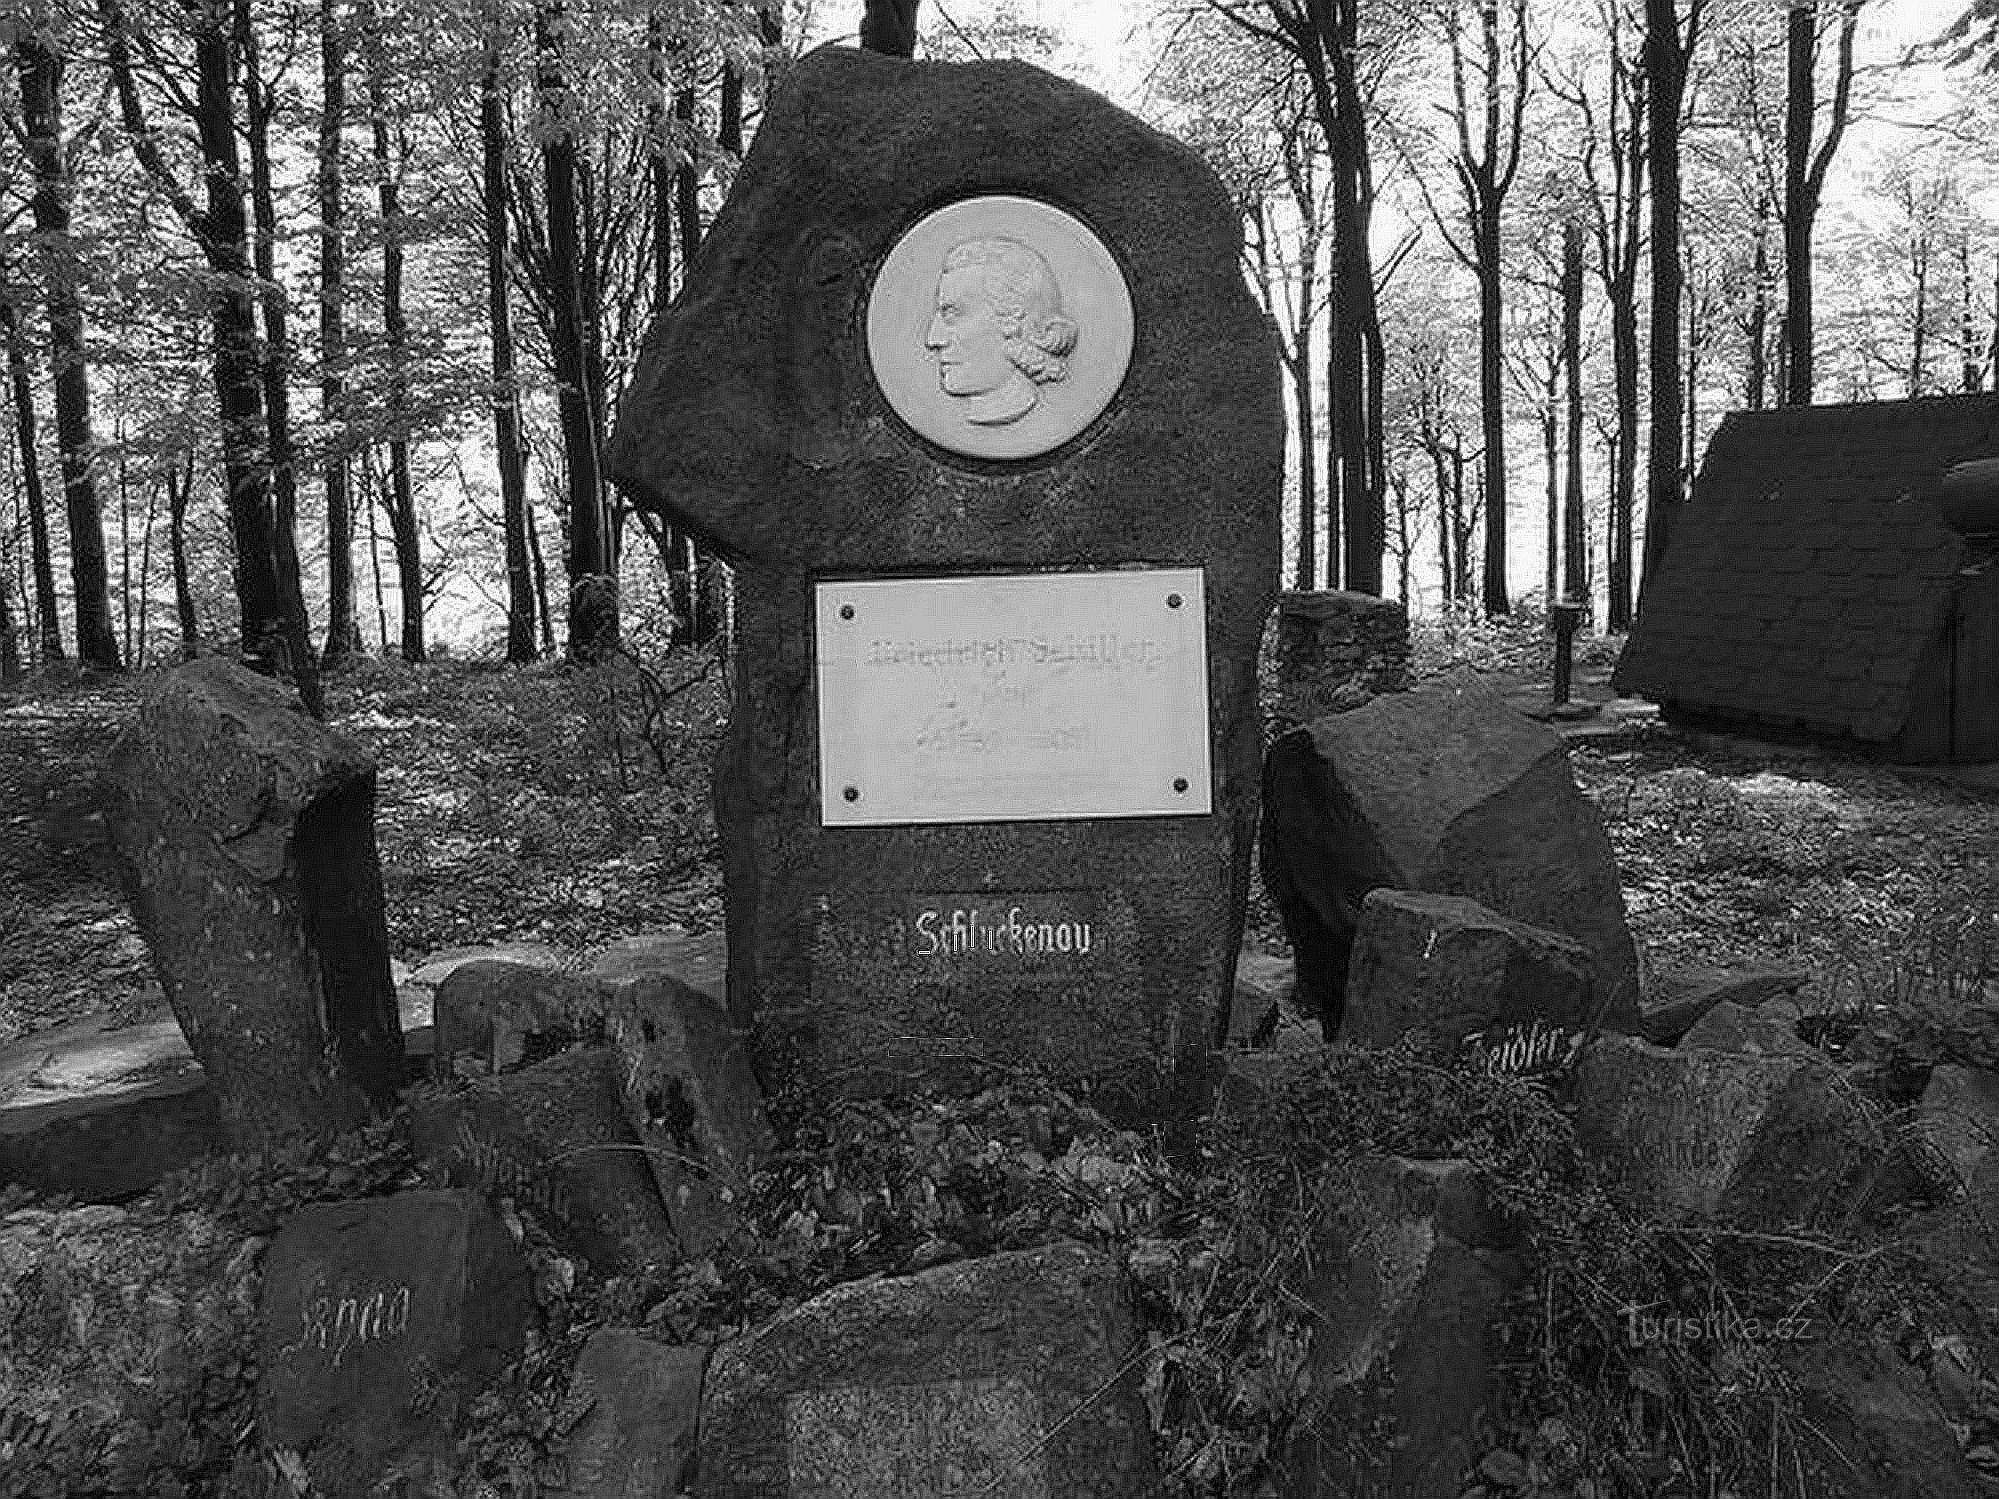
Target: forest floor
571, 807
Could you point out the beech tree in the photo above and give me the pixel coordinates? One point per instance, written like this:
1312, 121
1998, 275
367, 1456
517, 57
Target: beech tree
21, 389
41, 65
343, 631
1672, 30
271, 606
1808, 154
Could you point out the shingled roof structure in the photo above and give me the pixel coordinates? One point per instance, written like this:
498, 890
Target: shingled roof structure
1810, 582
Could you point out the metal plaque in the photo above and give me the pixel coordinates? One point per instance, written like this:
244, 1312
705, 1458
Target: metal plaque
1017, 697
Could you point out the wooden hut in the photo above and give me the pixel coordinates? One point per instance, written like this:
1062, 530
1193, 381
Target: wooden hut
1836, 573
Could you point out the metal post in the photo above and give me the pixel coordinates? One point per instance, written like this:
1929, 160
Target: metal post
1567, 617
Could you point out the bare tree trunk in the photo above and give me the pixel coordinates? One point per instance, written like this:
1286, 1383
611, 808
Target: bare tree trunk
398, 501
1756, 329
10, 642
180, 489
1575, 546
343, 630
41, 70
1970, 376
48, 612
506, 392
1805, 170
266, 563
889, 27
275, 358
1667, 50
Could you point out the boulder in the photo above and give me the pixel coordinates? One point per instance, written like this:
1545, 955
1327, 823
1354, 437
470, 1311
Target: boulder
684, 1067
491, 1015
1868, 1428
439, 966
1958, 1118
101, 1114
554, 1137
1770, 1029
245, 837
1758, 1142
1673, 1001
1405, 1282
1336, 651
1263, 982
1451, 966
1446, 789
380, 1318
126, 1346
641, 1404
1011, 1377
700, 960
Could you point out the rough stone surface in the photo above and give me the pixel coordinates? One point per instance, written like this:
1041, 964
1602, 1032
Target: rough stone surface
439, 966
1336, 651
1456, 968
555, 1138
102, 1114
644, 1403
1405, 1285
245, 838
700, 960
490, 1012
1869, 1429
1675, 1000
117, 1336
1007, 1376
1770, 1029
369, 1305
1263, 982
1442, 788
754, 419
1756, 1142
684, 1068
1959, 1118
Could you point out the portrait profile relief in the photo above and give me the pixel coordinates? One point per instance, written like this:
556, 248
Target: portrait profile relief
999, 327
999, 330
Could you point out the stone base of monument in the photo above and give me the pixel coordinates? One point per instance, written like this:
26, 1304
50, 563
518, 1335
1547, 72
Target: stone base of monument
1755, 1142
380, 1319
1674, 1001
1009, 1377
553, 1137
641, 1404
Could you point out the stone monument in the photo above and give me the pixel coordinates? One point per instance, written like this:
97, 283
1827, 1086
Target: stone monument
965, 382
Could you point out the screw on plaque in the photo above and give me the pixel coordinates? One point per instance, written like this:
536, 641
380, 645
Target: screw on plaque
846, 611
1180, 784
852, 793
1172, 601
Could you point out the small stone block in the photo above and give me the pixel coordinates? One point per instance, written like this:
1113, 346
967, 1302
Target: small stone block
644, 1400
698, 960
379, 1316
554, 1137
1008, 1376
489, 1013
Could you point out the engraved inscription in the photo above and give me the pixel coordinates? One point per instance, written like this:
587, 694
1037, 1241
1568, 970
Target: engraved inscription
1026, 696
334, 1326
1027, 932
954, 1437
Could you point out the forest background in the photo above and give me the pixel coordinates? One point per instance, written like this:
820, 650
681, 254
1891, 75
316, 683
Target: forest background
316, 314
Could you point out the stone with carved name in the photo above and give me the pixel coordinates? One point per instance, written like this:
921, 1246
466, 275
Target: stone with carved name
554, 1138
1442, 788
1009, 1377
380, 1318
245, 838
894, 366
1453, 967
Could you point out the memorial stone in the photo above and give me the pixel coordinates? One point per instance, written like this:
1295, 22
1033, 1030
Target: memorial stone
1010, 1376
380, 1317
966, 383
245, 836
